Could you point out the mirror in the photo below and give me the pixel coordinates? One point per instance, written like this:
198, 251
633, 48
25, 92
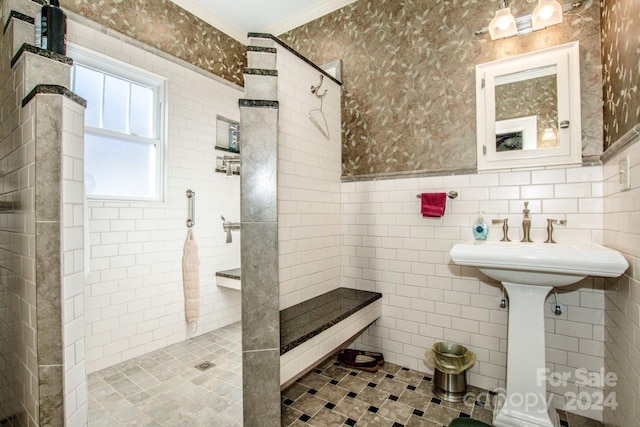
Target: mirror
528, 109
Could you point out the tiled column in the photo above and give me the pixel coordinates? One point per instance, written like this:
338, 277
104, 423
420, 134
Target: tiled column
58, 138
259, 248
42, 140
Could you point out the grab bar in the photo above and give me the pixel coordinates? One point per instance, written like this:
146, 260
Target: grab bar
191, 214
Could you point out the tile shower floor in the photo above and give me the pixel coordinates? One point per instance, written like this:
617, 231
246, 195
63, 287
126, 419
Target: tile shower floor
164, 388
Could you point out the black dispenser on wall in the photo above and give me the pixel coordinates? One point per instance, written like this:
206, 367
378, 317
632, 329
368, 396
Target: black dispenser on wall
51, 28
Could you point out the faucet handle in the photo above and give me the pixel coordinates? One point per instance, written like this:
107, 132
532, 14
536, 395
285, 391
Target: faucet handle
505, 228
550, 223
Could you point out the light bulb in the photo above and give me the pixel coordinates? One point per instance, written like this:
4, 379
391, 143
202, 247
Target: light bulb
503, 23
546, 12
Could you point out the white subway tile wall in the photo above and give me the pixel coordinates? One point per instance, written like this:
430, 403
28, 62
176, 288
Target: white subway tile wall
134, 301
19, 391
390, 248
75, 375
309, 184
622, 304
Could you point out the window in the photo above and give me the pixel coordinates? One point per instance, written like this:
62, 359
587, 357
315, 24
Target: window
124, 132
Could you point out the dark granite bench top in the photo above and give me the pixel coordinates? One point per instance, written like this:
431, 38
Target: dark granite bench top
304, 321
234, 273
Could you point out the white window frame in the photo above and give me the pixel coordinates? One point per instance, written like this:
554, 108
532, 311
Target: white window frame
108, 65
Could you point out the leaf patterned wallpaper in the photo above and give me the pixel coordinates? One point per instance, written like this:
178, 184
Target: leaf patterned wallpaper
171, 29
621, 62
408, 68
408, 102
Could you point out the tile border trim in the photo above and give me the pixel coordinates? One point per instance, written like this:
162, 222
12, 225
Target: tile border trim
292, 50
44, 89
258, 103
262, 49
19, 16
407, 174
631, 137
261, 72
586, 161
29, 48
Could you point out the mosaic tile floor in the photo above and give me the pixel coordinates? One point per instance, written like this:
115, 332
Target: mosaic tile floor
335, 395
164, 388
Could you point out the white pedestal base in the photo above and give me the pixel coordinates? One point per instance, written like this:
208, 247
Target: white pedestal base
525, 403
504, 419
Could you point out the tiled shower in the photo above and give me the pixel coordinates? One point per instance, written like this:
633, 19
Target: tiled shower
89, 285
134, 295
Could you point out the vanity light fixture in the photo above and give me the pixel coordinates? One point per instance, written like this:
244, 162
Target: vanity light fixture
546, 14
504, 23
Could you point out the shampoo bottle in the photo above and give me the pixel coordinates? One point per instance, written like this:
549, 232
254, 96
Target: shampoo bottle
480, 229
51, 28
233, 137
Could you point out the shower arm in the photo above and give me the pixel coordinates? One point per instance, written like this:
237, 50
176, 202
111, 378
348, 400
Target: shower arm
228, 226
228, 162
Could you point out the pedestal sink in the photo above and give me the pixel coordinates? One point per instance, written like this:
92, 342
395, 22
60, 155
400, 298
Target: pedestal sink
528, 272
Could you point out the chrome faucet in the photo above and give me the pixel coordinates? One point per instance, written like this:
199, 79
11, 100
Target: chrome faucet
550, 223
505, 228
228, 226
526, 223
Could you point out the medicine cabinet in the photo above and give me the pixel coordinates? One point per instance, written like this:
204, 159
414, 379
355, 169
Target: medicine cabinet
528, 109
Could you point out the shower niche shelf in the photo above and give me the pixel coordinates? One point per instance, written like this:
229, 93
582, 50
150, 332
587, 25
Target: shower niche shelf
227, 135
227, 141
227, 149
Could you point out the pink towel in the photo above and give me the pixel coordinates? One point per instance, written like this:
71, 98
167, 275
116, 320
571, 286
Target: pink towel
433, 204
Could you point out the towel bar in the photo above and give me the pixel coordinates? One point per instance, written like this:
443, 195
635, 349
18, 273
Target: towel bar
451, 194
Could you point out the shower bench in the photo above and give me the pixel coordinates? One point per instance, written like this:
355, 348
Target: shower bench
313, 329
231, 279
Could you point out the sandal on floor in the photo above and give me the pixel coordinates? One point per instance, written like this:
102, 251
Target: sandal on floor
377, 356
358, 361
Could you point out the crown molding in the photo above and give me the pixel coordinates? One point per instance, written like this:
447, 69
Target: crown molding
306, 16
220, 24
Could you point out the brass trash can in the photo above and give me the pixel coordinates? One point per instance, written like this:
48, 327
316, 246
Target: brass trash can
449, 362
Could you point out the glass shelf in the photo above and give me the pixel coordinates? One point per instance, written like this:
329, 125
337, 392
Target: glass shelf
227, 149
